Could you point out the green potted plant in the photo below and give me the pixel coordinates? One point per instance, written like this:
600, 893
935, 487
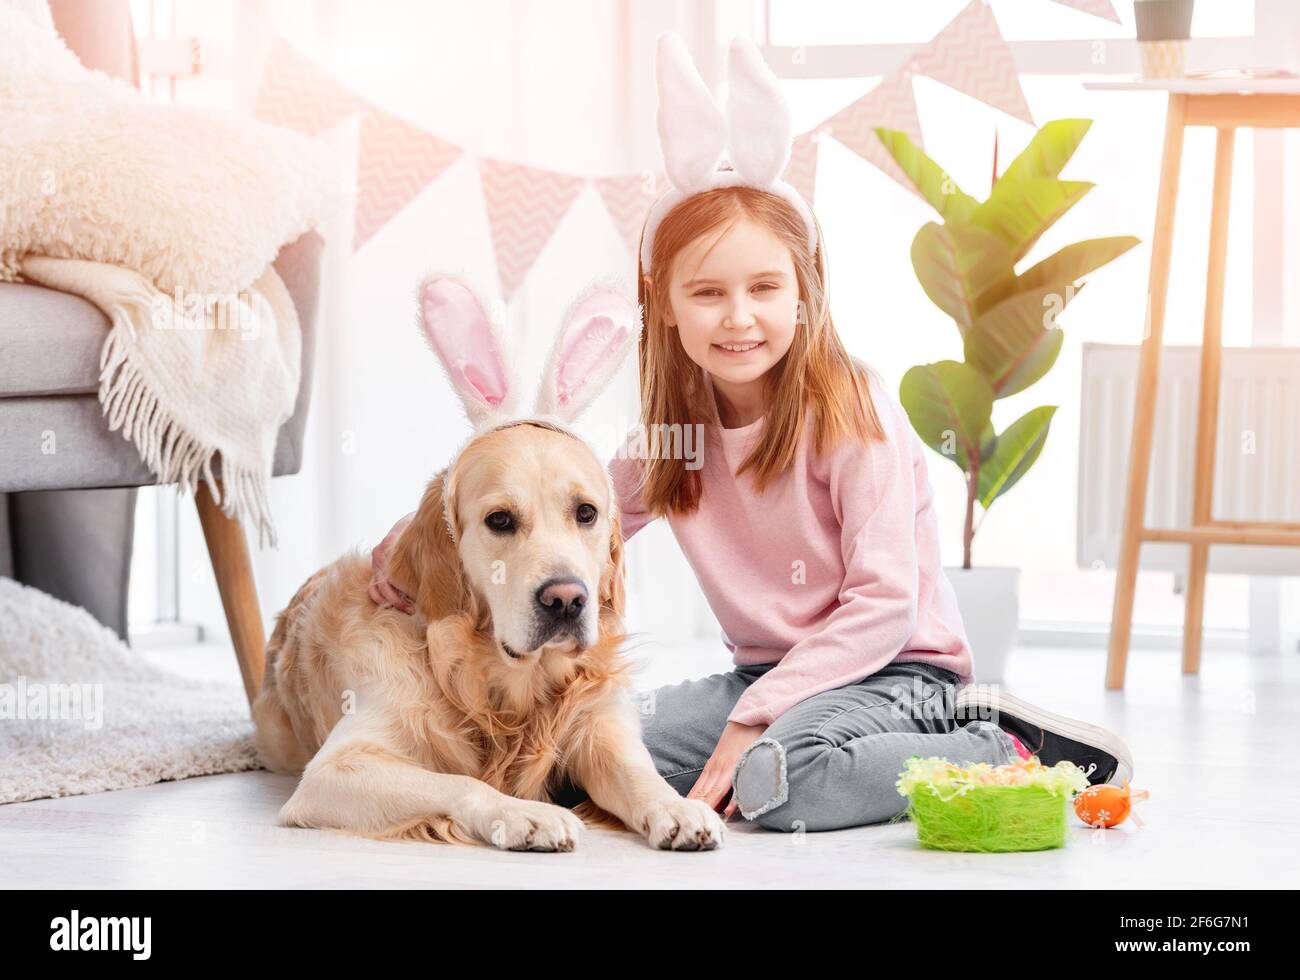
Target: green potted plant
1006, 322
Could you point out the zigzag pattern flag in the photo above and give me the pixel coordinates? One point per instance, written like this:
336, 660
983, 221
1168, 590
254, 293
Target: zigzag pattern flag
971, 56
524, 206
627, 199
396, 161
295, 93
890, 104
1098, 8
801, 172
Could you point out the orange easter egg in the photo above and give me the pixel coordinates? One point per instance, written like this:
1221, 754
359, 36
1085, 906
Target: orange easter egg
1103, 805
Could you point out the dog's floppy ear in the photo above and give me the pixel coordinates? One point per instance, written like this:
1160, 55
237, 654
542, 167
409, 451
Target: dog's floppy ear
426, 561
597, 331
612, 590
471, 347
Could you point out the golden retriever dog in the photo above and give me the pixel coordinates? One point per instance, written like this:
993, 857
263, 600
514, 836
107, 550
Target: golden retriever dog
457, 723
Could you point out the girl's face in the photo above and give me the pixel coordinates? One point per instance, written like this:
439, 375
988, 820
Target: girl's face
734, 298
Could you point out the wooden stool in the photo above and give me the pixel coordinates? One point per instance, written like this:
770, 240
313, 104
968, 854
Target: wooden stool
1228, 106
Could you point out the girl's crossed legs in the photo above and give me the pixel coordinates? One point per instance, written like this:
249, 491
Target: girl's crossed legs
829, 762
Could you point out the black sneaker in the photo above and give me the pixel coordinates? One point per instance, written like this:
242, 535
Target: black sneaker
1100, 753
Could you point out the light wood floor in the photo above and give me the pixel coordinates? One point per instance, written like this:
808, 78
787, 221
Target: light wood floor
1215, 751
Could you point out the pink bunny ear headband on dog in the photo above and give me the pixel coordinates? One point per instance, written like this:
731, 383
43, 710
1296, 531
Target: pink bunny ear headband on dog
595, 335
693, 132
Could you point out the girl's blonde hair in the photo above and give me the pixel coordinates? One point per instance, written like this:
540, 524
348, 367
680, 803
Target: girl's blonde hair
816, 373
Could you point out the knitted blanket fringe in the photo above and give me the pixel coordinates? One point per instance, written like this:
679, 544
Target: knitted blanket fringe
172, 454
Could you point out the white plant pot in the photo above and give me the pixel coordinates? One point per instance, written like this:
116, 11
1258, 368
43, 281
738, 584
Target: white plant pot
989, 600
1163, 59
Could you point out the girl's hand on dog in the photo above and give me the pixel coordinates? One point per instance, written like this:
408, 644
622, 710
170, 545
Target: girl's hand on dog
714, 782
383, 591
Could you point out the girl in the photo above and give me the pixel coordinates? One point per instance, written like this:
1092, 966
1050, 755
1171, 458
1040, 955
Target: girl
809, 525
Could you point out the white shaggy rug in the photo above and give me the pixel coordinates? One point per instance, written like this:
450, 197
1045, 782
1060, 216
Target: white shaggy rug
81, 713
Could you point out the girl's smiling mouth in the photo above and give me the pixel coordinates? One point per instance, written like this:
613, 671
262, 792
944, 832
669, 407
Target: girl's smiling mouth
739, 348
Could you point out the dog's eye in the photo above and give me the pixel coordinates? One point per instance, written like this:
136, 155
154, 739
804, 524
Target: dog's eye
501, 520
586, 514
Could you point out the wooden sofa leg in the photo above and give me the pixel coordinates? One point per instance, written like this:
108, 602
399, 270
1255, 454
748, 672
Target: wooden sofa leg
233, 568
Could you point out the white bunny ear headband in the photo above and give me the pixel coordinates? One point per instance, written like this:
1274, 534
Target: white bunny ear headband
595, 335
756, 132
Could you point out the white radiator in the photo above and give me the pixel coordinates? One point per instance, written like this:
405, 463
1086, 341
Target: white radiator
1257, 464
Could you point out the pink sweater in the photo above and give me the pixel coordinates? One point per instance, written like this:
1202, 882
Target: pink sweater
831, 573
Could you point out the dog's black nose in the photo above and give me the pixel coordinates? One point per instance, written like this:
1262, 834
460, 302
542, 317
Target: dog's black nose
562, 599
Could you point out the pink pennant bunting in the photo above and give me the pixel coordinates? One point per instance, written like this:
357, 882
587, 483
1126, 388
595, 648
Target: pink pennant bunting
801, 173
395, 161
627, 199
890, 104
1098, 8
524, 206
971, 56
295, 92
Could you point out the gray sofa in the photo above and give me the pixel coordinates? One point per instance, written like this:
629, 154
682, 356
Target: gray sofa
67, 484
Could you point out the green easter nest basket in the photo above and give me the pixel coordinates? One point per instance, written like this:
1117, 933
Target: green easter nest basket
1021, 806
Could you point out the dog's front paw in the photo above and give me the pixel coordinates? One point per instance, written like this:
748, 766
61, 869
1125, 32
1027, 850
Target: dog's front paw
682, 825
525, 825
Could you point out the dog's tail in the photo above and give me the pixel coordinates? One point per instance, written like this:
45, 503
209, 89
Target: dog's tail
428, 830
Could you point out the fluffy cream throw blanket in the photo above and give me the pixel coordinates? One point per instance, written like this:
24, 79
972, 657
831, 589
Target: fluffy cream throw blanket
183, 382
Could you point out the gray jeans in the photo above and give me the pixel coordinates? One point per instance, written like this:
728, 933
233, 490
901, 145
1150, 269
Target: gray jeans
829, 762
